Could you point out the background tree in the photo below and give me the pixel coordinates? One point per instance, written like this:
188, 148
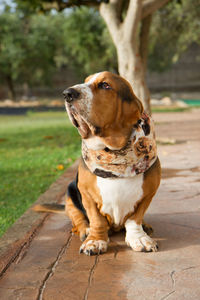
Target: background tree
33, 49
79, 39
11, 50
174, 28
128, 23
29, 49
87, 42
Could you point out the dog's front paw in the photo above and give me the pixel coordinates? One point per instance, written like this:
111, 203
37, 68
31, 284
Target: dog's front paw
142, 244
137, 239
94, 247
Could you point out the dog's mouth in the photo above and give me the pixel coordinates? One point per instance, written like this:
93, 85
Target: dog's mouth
79, 121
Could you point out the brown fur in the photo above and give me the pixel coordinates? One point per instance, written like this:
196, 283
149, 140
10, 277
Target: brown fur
150, 186
91, 200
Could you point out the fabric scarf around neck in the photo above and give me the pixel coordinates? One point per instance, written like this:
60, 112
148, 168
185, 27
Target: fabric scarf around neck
135, 158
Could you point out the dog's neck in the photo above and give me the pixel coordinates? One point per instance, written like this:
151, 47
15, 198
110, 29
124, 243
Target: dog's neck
136, 157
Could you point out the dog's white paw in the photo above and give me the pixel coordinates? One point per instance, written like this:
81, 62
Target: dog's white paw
142, 244
137, 239
94, 247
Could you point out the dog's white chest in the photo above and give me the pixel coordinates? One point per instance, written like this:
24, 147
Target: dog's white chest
119, 196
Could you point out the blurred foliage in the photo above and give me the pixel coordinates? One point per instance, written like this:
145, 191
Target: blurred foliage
88, 41
29, 47
28, 8
12, 48
59, 5
174, 28
34, 47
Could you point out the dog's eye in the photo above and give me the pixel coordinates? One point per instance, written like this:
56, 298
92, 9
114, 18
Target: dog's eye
104, 85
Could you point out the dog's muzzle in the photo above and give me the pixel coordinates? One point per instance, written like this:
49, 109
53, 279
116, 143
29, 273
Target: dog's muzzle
71, 94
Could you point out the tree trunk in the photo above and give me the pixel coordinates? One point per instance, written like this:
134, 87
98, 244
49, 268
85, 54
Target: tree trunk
11, 89
123, 18
25, 89
130, 66
125, 38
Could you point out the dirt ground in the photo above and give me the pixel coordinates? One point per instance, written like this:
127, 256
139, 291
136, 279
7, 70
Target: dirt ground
40, 257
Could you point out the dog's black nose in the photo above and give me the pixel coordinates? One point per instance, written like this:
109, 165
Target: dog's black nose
70, 94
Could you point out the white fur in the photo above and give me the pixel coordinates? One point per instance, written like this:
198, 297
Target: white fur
86, 97
94, 143
137, 239
94, 247
133, 229
85, 101
120, 195
93, 78
68, 111
86, 94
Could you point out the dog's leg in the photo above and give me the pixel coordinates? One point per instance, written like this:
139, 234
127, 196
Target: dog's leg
79, 221
136, 237
97, 240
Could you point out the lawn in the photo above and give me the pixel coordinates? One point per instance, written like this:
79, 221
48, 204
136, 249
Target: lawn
31, 149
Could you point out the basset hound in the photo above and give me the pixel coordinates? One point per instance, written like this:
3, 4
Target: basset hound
119, 172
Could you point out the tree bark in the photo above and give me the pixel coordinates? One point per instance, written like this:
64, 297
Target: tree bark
150, 6
11, 89
131, 67
25, 89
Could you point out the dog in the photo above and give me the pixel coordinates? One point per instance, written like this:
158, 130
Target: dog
119, 172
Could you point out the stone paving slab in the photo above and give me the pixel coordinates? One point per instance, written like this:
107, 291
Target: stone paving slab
50, 267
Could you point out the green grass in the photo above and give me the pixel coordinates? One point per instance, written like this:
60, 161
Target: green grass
170, 109
31, 148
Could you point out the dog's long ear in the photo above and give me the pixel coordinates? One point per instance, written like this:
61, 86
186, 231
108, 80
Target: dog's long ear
127, 94
139, 104
132, 106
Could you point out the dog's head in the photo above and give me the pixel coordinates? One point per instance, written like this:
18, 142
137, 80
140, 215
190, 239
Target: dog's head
104, 110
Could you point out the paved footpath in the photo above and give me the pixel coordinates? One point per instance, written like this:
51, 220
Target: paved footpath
39, 257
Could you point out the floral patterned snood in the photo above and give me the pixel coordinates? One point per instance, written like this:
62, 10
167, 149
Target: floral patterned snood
136, 157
